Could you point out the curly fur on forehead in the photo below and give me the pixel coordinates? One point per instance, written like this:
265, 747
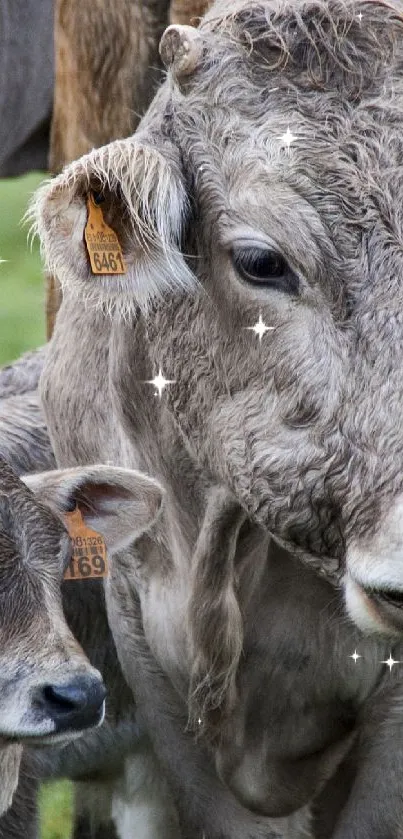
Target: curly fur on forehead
331, 72
264, 60
332, 42
322, 60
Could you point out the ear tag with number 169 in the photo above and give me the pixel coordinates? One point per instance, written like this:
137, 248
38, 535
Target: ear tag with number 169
88, 560
103, 245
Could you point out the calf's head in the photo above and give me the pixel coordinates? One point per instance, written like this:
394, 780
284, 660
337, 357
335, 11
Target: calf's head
48, 689
277, 204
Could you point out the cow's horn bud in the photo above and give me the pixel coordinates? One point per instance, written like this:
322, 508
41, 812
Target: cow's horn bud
181, 49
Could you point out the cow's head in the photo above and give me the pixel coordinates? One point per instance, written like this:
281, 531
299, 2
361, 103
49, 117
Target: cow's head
266, 180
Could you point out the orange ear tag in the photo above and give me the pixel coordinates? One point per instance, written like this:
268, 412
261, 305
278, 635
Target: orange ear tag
88, 560
103, 245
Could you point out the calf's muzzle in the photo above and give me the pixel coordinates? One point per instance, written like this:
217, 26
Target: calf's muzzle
74, 705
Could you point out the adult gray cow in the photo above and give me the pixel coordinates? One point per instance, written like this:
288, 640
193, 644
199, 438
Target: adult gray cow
117, 761
271, 176
26, 84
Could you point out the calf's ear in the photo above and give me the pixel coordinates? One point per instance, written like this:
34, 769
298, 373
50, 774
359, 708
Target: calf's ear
121, 504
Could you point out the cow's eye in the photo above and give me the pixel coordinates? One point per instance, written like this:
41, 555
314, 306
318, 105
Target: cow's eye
264, 266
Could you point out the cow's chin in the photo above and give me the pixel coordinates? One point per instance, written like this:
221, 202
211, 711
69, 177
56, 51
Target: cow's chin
373, 582
369, 612
40, 740
37, 736
53, 739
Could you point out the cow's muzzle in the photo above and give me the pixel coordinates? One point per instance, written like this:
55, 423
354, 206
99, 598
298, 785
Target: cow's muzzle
73, 705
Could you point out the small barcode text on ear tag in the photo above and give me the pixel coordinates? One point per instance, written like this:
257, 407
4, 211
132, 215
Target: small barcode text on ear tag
88, 559
103, 245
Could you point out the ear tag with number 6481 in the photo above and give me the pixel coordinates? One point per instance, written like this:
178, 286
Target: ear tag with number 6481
88, 560
103, 245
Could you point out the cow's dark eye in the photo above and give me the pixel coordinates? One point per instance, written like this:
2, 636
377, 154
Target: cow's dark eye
264, 267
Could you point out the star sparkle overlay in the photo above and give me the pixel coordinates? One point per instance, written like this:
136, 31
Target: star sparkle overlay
355, 656
390, 662
260, 328
287, 138
160, 382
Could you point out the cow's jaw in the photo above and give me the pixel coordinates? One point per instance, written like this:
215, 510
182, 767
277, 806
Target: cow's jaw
373, 581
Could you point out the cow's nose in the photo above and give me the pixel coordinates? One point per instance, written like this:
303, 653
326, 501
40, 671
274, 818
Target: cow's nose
73, 705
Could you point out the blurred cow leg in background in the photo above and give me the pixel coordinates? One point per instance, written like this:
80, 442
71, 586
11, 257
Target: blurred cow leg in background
93, 812
107, 70
187, 11
107, 67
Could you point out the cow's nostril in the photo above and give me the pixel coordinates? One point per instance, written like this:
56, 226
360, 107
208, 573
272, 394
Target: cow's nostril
73, 705
63, 698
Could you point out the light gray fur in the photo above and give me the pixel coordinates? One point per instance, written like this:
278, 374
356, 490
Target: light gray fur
24, 439
302, 429
23, 374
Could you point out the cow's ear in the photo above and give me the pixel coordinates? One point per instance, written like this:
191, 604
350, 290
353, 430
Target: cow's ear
121, 504
134, 192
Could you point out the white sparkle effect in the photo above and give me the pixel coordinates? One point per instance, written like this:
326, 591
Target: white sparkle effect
355, 656
260, 328
360, 16
287, 138
160, 382
390, 661
199, 722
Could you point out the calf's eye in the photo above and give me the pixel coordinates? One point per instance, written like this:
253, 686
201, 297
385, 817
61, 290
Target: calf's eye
265, 267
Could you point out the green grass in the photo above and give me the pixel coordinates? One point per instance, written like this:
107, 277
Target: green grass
56, 810
22, 327
22, 320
